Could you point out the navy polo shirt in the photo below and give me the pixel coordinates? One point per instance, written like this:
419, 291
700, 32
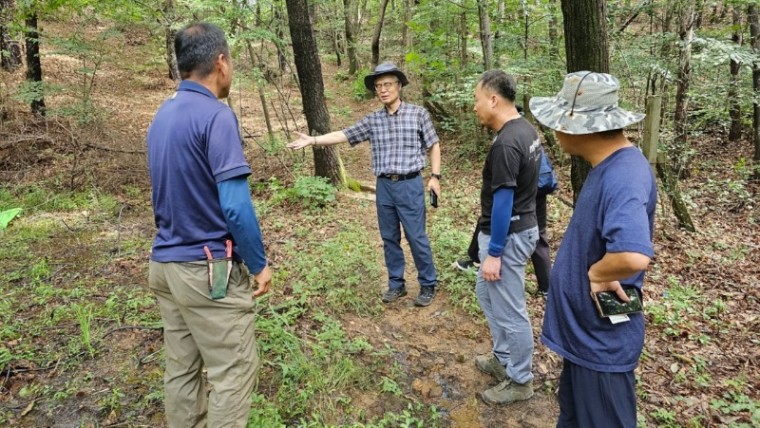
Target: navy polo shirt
193, 144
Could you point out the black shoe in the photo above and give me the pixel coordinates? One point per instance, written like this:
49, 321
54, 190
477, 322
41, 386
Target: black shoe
426, 296
465, 265
394, 294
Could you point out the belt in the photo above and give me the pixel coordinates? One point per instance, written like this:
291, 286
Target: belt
400, 177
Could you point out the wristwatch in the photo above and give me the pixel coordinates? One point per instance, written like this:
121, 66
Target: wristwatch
438, 176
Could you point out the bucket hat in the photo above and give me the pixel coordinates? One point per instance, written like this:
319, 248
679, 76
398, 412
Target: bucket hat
382, 69
587, 103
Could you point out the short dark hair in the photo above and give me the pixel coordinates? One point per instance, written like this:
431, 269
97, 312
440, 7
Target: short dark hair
501, 83
610, 134
197, 47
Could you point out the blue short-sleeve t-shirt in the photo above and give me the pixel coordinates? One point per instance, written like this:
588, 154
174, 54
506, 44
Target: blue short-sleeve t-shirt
193, 144
614, 213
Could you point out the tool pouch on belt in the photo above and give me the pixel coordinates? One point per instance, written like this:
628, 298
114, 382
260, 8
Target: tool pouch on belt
219, 271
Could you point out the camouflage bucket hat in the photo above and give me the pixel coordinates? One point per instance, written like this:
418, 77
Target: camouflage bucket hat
587, 103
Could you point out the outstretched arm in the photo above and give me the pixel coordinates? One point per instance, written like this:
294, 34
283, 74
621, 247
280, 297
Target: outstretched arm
304, 140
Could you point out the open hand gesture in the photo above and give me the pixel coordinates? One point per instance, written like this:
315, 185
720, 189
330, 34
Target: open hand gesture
302, 141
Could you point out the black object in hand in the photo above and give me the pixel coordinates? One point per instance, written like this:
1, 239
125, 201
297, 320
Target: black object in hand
433, 199
608, 303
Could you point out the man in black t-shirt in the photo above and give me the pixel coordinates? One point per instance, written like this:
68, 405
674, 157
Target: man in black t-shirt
508, 237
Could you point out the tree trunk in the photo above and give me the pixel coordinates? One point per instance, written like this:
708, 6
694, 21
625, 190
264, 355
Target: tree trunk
406, 36
376, 36
282, 60
526, 30
586, 48
327, 162
734, 108
686, 19
10, 50
463, 39
485, 34
348, 12
255, 62
553, 34
501, 17
170, 33
754, 30
33, 61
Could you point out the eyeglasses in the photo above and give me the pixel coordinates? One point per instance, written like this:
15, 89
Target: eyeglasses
386, 85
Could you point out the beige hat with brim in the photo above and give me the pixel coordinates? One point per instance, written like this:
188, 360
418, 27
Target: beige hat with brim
587, 103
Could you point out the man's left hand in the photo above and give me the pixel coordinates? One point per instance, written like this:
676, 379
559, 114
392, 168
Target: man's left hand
491, 268
610, 286
434, 185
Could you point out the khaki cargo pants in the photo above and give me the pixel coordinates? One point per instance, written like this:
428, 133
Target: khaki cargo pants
199, 331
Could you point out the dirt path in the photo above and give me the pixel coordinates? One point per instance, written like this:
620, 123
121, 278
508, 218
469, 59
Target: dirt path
436, 346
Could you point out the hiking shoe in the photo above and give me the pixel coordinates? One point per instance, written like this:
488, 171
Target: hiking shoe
508, 392
426, 296
466, 265
394, 294
491, 366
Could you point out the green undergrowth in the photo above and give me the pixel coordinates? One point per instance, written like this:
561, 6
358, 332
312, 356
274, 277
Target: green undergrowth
314, 369
70, 285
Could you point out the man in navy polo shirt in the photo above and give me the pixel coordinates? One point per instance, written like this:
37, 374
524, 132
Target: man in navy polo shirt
200, 201
400, 136
607, 246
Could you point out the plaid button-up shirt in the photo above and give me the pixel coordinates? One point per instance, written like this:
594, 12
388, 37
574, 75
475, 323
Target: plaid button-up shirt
399, 141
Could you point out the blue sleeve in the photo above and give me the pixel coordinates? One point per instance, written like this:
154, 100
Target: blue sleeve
242, 222
501, 216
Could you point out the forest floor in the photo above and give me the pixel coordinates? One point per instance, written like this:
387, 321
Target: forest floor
80, 337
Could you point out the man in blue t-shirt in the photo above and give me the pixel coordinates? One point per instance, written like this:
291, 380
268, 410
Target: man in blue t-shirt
607, 247
203, 212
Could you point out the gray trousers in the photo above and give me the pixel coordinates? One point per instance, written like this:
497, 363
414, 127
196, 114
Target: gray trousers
503, 303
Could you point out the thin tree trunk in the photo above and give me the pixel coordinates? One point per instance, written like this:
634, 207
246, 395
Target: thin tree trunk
169, 34
526, 30
327, 161
33, 61
553, 34
754, 30
406, 36
586, 48
685, 34
348, 11
485, 34
282, 60
734, 109
260, 86
501, 17
378, 32
10, 50
463, 39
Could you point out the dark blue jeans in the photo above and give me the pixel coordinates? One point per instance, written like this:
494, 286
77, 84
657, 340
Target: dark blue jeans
402, 203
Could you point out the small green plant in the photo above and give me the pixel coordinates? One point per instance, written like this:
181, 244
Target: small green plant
84, 315
665, 418
310, 192
389, 385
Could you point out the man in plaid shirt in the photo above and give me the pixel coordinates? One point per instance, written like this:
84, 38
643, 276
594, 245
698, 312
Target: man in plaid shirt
400, 134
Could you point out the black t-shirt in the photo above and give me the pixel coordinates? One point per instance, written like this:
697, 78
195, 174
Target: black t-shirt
512, 162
